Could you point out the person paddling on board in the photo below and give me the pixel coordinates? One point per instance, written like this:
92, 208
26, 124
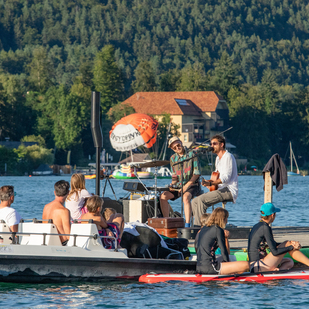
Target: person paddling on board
260, 235
210, 238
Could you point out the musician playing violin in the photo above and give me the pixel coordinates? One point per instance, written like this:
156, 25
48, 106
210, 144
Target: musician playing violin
190, 173
224, 186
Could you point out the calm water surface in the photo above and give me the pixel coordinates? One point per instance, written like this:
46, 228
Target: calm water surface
34, 192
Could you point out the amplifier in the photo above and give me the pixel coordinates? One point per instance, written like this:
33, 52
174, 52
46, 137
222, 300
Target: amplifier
133, 186
138, 210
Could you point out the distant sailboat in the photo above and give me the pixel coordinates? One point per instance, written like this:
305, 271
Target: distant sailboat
292, 157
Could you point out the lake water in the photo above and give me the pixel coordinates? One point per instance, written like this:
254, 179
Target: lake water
34, 192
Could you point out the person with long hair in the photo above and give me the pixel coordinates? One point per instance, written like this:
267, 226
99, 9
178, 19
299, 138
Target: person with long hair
262, 235
77, 195
210, 238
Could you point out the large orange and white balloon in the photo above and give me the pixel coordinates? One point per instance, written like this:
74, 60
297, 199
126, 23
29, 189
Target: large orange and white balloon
132, 131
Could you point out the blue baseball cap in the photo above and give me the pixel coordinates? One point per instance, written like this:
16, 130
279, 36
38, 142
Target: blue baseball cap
268, 209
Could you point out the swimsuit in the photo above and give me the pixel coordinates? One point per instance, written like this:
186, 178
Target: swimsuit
210, 238
262, 233
109, 243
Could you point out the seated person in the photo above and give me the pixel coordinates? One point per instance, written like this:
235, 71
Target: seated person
210, 238
57, 212
76, 198
262, 234
190, 179
108, 213
112, 227
7, 213
203, 219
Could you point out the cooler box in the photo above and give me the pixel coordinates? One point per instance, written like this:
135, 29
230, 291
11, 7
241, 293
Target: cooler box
171, 233
166, 223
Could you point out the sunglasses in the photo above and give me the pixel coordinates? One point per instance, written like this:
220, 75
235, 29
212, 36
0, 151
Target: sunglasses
214, 143
177, 146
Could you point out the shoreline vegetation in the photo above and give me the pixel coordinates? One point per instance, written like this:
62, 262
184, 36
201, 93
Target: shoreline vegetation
254, 54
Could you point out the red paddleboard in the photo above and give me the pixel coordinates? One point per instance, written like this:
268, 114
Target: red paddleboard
245, 277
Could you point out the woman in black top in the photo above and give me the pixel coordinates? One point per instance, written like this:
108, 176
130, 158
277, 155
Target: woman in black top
210, 238
261, 234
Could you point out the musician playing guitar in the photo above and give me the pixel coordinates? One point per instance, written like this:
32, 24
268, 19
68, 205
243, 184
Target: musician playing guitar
190, 179
223, 184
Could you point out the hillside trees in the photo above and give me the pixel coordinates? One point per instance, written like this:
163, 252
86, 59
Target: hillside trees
107, 78
256, 55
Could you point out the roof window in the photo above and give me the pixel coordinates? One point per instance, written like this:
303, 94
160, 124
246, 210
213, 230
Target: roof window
182, 102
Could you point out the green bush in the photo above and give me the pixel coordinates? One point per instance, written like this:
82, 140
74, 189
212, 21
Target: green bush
32, 156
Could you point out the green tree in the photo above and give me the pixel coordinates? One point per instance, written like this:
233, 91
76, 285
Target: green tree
119, 111
33, 138
9, 158
32, 156
16, 117
144, 78
41, 70
193, 78
166, 128
169, 80
107, 78
225, 75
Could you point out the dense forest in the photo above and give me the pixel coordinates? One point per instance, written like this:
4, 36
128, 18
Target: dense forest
54, 53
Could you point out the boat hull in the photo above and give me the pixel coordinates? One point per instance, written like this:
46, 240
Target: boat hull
293, 174
43, 269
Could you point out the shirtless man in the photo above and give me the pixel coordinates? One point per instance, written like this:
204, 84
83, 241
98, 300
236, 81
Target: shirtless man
57, 212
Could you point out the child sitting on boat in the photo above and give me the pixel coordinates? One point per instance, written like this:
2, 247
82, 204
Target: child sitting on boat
112, 227
108, 213
77, 195
210, 238
262, 234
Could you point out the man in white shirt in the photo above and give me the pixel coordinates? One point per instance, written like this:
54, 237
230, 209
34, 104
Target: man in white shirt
227, 181
7, 213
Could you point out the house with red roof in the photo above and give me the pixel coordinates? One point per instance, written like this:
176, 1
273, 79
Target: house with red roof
200, 114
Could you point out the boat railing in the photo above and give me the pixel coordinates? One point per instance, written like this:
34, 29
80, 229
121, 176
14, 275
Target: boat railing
94, 236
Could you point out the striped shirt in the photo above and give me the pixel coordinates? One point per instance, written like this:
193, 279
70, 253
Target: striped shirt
190, 167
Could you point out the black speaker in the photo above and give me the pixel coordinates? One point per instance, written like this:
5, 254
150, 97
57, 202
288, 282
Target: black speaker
109, 203
95, 120
133, 186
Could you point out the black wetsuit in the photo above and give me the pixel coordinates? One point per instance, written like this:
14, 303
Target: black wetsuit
262, 232
210, 238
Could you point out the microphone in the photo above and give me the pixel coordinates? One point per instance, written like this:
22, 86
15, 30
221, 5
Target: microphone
203, 149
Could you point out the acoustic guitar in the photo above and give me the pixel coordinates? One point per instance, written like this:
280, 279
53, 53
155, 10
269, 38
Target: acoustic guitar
214, 176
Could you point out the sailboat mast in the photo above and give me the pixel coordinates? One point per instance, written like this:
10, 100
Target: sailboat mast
291, 157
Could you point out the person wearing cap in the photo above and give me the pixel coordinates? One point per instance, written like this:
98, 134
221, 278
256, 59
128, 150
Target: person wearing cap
227, 182
190, 179
261, 235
